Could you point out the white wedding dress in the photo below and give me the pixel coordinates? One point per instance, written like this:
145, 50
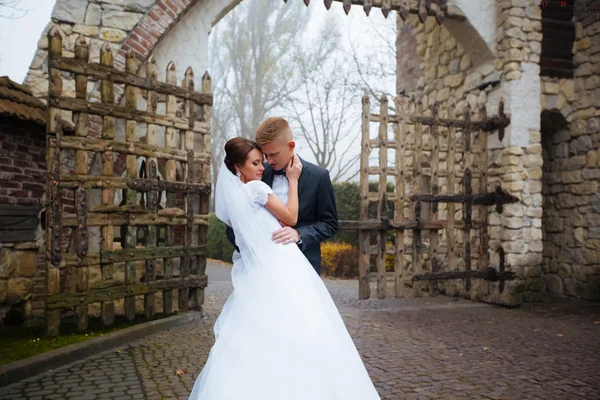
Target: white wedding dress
279, 335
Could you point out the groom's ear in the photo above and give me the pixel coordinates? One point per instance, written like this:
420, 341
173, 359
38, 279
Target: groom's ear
292, 144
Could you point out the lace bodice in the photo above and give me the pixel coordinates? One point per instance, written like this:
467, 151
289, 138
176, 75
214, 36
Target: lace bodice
258, 194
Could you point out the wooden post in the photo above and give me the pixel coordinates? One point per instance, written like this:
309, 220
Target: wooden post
418, 189
483, 214
188, 177
382, 201
131, 195
204, 177
170, 171
152, 204
434, 189
401, 134
108, 194
451, 178
364, 242
468, 190
54, 204
81, 168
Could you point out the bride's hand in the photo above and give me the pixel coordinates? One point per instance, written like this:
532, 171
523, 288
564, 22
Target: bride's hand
294, 168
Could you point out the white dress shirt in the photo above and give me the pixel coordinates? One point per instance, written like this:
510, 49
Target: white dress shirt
281, 187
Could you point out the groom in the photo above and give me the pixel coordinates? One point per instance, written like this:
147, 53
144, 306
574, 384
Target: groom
317, 214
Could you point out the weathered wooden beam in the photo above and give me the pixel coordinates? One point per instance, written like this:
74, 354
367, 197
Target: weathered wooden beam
489, 274
377, 225
92, 259
130, 148
109, 73
147, 253
139, 184
119, 291
489, 124
485, 199
117, 111
70, 221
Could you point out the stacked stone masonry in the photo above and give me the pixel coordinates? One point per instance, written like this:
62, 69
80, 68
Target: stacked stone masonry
550, 237
437, 66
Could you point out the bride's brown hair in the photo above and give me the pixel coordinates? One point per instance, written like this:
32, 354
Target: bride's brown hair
236, 152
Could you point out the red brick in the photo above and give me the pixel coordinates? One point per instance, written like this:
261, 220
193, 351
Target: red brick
23, 164
34, 186
18, 193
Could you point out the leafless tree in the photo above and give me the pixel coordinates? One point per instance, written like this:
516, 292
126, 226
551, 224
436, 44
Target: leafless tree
374, 67
10, 9
254, 53
325, 113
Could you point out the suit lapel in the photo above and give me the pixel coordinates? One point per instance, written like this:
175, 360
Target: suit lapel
303, 177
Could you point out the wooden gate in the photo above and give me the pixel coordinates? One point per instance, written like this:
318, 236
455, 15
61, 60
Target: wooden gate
436, 155
162, 249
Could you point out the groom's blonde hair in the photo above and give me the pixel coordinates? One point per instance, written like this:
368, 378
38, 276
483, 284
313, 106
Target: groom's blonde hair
273, 128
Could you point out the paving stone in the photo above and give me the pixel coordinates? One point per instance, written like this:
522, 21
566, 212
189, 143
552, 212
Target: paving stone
420, 349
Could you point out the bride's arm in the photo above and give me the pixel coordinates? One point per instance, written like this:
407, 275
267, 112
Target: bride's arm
287, 214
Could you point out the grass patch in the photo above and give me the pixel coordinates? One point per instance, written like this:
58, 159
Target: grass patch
19, 342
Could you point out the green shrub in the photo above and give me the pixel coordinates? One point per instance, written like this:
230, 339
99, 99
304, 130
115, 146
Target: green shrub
219, 248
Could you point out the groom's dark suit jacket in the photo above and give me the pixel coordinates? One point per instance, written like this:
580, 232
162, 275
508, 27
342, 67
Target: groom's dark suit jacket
317, 214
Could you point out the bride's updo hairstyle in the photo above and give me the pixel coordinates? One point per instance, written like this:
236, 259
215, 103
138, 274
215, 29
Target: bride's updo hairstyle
236, 152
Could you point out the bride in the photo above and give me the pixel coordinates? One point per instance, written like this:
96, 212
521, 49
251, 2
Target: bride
279, 335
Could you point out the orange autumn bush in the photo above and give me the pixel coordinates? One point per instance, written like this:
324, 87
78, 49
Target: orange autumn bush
339, 260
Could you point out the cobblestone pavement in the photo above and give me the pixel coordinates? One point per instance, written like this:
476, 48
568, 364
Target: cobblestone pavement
428, 348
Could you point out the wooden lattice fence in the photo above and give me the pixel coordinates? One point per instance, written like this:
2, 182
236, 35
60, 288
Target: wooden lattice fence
178, 141
439, 159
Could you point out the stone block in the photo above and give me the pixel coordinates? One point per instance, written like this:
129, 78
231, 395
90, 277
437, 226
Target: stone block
575, 163
8, 262
590, 256
113, 35
554, 225
583, 44
567, 87
19, 289
27, 264
140, 5
93, 15
594, 233
72, 11
551, 87
570, 177
120, 19
86, 30
590, 173
554, 284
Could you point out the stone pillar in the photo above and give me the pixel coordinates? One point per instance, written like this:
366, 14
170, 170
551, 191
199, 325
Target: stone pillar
517, 160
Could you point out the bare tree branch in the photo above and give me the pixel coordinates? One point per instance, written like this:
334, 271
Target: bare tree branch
12, 9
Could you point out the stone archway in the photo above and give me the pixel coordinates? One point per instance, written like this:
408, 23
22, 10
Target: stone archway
567, 261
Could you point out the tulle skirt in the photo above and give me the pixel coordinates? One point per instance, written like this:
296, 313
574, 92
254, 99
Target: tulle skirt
281, 337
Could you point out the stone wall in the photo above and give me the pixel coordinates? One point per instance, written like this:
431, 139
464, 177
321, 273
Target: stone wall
22, 182
448, 72
128, 25
550, 156
571, 136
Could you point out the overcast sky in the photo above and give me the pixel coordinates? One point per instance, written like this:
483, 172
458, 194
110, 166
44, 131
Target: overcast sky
19, 37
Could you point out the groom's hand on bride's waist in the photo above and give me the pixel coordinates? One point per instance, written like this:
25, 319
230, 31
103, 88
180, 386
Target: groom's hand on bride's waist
286, 235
